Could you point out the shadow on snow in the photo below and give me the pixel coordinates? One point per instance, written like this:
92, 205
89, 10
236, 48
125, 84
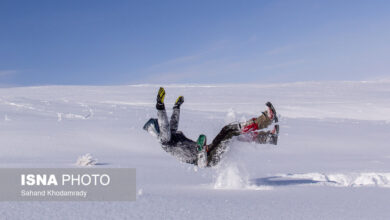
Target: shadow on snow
278, 181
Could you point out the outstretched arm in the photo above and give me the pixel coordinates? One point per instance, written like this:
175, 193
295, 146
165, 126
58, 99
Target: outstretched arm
218, 146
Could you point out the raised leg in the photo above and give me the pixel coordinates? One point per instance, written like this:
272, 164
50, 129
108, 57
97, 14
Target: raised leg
174, 122
165, 131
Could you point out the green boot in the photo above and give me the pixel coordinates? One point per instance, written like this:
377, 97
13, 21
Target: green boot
202, 153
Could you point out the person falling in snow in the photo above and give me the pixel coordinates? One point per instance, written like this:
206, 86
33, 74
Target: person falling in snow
199, 153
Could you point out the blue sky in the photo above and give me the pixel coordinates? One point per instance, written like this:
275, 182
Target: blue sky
129, 42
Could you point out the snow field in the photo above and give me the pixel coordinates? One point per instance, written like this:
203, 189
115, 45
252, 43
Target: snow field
331, 162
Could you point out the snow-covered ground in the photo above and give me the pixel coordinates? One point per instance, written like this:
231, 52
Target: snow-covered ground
331, 162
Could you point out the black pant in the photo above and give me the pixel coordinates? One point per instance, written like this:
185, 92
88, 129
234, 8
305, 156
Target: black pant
218, 146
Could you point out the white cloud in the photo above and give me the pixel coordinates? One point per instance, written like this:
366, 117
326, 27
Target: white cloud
7, 72
206, 70
284, 64
222, 62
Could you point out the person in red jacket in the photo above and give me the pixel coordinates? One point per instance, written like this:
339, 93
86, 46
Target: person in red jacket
249, 131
